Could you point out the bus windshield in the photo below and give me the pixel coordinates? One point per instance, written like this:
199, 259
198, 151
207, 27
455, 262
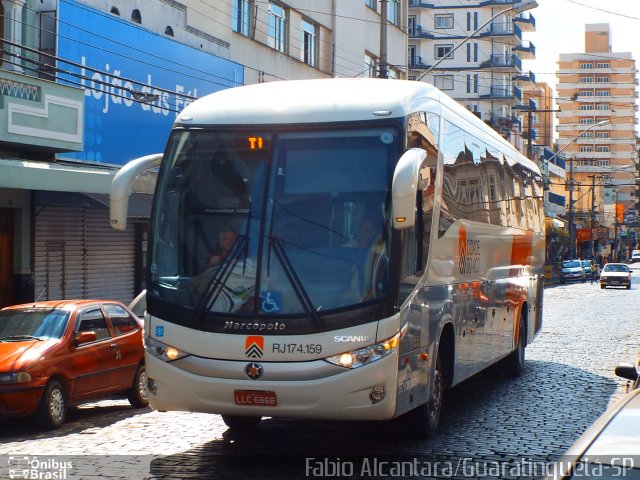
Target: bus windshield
273, 223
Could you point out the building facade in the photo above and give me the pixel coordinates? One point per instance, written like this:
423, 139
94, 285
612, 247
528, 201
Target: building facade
597, 95
486, 74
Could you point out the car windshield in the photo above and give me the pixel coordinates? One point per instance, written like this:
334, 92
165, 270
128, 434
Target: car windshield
32, 323
586, 263
615, 268
572, 264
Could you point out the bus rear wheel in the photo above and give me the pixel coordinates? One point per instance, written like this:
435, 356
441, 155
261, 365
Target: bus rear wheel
514, 363
241, 424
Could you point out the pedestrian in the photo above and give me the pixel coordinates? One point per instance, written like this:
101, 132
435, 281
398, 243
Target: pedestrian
593, 271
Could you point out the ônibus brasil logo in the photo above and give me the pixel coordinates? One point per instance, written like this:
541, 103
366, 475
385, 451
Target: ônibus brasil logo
468, 252
254, 346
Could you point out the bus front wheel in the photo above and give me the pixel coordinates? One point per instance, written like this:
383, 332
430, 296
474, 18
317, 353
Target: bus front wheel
423, 421
241, 424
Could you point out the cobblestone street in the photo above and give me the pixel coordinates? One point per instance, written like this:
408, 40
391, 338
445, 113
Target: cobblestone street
567, 384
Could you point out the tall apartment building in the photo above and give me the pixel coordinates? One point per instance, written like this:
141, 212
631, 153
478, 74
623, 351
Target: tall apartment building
599, 85
486, 73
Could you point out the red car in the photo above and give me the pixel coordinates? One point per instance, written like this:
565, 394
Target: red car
58, 353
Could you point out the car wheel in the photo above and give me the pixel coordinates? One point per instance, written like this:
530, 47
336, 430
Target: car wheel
241, 424
52, 410
601, 286
138, 395
514, 363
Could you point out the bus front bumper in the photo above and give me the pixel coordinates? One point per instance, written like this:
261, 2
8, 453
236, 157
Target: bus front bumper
364, 393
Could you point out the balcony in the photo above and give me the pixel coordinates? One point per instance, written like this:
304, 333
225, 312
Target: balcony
507, 62
526, 51
420, 4
416, 62
489, 3
503, 29
418, 31
525, 78
527, 22
506, 92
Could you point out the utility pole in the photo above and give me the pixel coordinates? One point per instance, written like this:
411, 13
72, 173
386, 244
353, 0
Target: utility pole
593, 214
614, 254
572, 241
383, 39
530, 129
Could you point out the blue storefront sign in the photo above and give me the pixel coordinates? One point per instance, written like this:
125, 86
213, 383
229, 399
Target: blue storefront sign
135, 81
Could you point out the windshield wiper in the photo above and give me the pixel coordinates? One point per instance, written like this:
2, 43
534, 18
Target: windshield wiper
294, 280
17, 338
214, 287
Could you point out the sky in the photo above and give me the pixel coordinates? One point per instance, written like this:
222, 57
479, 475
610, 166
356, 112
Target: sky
560, 26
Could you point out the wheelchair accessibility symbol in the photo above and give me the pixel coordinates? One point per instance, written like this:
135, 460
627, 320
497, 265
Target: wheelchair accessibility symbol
270, 301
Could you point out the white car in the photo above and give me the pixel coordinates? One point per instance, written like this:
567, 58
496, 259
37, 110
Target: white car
615, 275
635, 256
610, 448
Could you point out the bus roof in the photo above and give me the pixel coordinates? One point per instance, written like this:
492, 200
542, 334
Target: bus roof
328, 100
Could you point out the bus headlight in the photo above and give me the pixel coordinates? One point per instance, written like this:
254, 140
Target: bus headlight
162, 351
365, 355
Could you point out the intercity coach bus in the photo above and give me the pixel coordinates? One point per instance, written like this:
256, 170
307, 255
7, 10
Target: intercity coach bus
339, 249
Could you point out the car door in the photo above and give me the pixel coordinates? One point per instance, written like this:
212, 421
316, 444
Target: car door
94, 363
128, 338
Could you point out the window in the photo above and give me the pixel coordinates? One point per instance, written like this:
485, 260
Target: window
586, 148
602, 65
277, 27
603, 106
443, 82
586, 106
413, 59
443, 21
241, 16
586, 93
412, 25
136, 16
586, 79
587, 121
393, 12
442, 51
601, 119
168, 31
309, 43
371, 65
120, 319
602, 148
602, 93
602, 79
586, 65
93, 321
602, 134
370, 3
587, 134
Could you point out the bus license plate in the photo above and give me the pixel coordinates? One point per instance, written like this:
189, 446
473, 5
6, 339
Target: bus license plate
256, 398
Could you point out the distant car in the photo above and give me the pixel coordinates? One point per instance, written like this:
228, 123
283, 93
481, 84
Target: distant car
58, 353
572, 270
611, 446
635, 256
615, 275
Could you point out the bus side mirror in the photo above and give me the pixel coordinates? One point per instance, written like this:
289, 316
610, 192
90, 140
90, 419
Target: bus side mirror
405, 188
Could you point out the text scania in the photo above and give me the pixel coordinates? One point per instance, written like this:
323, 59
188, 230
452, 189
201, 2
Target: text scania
470, 257
351, 338
112, 89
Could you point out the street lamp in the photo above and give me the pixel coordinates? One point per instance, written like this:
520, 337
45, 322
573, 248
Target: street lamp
518, 8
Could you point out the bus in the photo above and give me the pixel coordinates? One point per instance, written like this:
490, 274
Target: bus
373, 243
